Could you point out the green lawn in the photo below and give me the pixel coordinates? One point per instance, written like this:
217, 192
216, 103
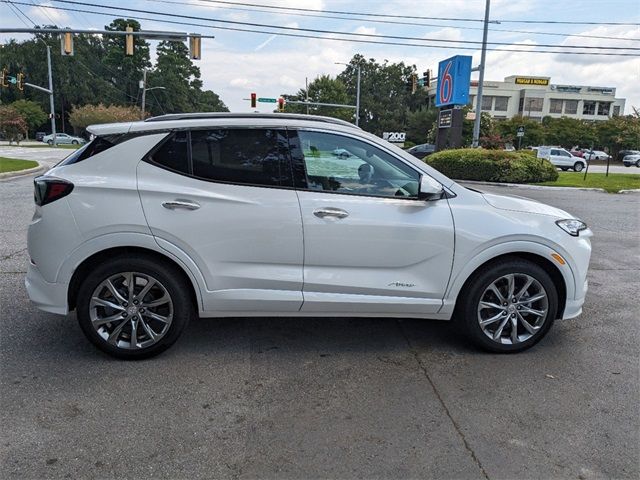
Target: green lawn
13, 164
612, 184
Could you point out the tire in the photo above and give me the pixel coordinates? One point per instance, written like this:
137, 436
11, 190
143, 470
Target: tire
628, 165
578, 166
477, 288
638, 163
50, 142
168, 282
74, 142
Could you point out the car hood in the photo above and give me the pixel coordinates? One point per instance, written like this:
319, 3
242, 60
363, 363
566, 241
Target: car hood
521, 204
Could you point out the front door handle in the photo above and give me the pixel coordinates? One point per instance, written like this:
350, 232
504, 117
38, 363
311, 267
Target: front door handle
178, 203
330, 212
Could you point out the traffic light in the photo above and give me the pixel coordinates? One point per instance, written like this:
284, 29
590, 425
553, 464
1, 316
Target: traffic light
66, 44
3, 78
20, 81
128, 42
253, 100
414, 82
195, 46
281, 104
427, 78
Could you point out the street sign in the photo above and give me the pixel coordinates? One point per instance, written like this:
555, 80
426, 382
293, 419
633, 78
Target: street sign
267, 100
520, 131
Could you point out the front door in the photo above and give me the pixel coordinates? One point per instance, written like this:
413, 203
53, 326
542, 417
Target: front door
370, 245
224, 197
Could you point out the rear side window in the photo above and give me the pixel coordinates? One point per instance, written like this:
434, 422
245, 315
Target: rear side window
173, 153
95, 146
247, 156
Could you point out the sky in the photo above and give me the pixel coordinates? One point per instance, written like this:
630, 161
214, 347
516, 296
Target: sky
234, 64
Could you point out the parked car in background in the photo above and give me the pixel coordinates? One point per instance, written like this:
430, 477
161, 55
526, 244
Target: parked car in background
40, 136
595, 155
64, 139
624, 153
341, 153
422, 150
577, 152
231, 215
630, 160
564, 160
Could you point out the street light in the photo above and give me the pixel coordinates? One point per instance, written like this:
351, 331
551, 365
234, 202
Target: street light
143, 86
357, 93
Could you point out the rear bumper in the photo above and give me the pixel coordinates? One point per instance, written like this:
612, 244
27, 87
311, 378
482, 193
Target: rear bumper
49, 297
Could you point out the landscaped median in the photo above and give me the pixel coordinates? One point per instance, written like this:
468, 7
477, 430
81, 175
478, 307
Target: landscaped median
11, 165
521, 167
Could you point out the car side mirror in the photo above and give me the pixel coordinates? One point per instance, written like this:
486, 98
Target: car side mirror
429, 189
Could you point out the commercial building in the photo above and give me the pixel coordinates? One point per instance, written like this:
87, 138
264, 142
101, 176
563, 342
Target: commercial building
537, 97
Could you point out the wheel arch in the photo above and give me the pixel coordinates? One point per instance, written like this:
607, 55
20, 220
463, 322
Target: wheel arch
87, 265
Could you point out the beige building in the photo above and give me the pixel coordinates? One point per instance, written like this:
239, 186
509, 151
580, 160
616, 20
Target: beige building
537, 97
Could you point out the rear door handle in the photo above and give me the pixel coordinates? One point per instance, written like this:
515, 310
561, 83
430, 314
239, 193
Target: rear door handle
330, 212
178, 203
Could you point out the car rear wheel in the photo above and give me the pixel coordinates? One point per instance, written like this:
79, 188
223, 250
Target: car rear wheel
509, 306
133, 307
578, 166
74, 142
638, 163
50, 142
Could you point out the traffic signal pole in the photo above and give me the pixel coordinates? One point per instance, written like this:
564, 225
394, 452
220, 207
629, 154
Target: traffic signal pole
483, 56
358, 98
51, 103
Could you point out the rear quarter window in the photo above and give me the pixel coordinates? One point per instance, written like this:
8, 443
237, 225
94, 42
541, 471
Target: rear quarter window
94, 147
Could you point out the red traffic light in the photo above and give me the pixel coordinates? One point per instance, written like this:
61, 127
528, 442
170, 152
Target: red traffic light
281, 104
253, 100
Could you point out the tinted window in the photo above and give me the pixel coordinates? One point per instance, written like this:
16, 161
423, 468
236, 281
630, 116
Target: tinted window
173, 153
248, 156
345, 165
97, 145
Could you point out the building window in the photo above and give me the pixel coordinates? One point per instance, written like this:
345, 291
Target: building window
534, 104
616, 110
589, 108
571, 107
501, 104
555, 105
487, 102
604, 108
472, 100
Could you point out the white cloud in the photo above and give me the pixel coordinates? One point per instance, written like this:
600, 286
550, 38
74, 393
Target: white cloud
447, 33
365, 30
42, 13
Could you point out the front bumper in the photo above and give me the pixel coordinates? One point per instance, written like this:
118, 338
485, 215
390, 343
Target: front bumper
49, 297
573, 307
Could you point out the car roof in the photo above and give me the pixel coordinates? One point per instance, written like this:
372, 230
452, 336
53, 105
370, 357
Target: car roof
217, 119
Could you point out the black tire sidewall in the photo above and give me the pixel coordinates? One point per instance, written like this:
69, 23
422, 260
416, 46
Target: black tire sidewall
170, 278
482, 280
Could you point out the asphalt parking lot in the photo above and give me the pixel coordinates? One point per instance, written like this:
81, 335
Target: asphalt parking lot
329, 398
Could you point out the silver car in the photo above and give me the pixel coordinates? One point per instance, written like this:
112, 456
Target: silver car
64, 139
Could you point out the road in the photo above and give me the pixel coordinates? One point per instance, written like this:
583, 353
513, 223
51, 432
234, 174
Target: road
329, 398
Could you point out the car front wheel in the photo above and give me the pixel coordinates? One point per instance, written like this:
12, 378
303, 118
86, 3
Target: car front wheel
133, 307
509, 306
74, 142
578, 166
638, 164
50, 142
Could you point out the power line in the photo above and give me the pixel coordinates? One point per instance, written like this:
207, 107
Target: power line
299, 35
399, 22
338, 12
18, 11
333, 32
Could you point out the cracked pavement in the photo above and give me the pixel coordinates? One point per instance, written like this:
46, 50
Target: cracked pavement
329, 398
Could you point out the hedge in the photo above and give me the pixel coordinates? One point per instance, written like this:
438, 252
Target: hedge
492, 166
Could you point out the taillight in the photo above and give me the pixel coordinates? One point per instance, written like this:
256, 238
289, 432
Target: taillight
50, 189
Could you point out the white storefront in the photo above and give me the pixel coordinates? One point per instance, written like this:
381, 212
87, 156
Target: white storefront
537, 97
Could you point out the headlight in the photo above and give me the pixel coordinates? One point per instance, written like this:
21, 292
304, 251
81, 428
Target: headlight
572, 226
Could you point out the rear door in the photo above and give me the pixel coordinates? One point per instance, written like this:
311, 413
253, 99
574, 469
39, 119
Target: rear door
224, 196
370, 245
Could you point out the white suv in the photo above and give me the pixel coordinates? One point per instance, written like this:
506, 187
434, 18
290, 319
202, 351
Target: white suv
222, 215
564, 160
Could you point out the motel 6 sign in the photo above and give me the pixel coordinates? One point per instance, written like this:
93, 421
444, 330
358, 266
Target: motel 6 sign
454, 77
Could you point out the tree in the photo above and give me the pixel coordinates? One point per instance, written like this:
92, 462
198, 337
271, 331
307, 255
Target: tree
534, 132
323, 89
487, 126
619, 133
82, 117
12, 124
32, 114
568, 132
419, 123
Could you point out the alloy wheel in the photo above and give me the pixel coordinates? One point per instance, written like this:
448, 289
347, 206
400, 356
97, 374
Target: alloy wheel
513, 308
131, 310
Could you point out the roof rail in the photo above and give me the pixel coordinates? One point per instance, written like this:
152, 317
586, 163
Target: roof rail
290, 116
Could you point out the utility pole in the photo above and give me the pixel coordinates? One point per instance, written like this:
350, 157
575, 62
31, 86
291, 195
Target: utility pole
483, 56
143, 86
358, 98
306, 89
51, 103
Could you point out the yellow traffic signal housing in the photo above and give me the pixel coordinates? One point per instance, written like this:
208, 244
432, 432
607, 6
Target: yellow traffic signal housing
128, 42
195, 46
66, 44
20, 81
3, 78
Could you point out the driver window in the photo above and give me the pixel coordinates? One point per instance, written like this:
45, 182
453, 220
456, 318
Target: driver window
345, 165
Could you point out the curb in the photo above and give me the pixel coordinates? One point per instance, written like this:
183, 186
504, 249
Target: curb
22, 173
537, 187
635, 190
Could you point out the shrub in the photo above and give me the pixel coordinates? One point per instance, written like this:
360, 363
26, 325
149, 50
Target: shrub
492, 166
82, 117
